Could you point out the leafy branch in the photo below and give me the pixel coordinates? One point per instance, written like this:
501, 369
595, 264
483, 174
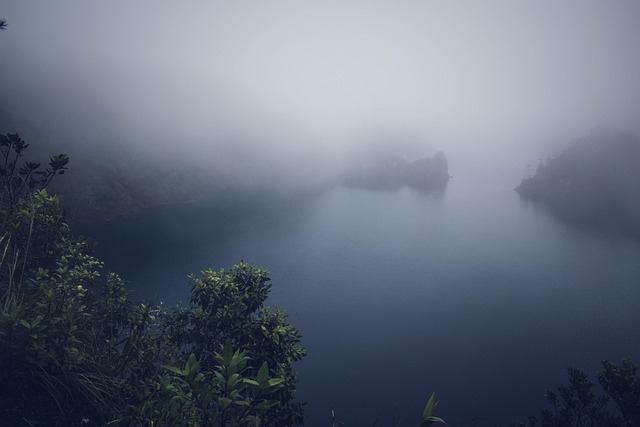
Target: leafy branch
19, 178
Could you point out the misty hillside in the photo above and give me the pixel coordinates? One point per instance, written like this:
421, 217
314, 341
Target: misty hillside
127, 161
109, 178
595, 181
121, 169
120, 172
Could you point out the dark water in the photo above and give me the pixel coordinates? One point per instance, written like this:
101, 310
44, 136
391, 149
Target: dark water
473, 293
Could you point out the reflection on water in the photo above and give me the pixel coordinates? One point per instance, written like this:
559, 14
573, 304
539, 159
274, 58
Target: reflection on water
471, 293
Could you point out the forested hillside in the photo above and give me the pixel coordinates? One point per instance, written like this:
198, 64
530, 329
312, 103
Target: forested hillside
594, 182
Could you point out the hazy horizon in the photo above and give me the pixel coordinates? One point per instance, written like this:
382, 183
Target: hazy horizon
299, 80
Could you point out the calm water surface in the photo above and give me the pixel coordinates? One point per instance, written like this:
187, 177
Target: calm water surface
473, 293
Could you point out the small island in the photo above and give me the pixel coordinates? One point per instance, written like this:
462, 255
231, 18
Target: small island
391, 171
594, 182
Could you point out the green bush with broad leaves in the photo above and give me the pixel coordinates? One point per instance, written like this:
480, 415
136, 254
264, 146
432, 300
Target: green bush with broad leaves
75, 350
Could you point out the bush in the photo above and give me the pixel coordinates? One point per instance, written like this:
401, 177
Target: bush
74, 350
577, 404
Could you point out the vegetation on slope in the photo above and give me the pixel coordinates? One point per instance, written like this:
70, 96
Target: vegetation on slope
74, 350
596, 181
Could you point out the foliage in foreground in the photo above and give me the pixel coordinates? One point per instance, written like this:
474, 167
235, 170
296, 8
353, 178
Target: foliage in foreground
429, 417
577, 403
75, 350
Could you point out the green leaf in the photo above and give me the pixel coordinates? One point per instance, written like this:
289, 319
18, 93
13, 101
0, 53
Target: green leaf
430, 407
224, 402
191, 363
428, 415
37, 320
275, 381
263, 375
174, 370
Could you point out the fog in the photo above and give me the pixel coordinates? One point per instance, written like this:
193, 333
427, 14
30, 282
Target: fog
286, 82
483, 295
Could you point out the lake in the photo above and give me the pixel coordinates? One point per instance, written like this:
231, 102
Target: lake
474, 293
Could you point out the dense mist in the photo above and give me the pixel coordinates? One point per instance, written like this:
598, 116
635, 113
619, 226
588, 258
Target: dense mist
292, 87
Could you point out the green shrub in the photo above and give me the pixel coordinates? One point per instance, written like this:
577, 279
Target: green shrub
578, 404
75, 350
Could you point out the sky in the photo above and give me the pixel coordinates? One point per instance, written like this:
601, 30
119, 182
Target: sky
316, 77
